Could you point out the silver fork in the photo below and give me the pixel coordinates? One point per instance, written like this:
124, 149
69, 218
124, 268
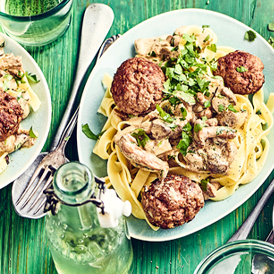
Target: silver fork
46, 169
26, 199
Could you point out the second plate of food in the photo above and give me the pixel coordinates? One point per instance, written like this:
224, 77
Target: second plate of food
230, 33
21, 92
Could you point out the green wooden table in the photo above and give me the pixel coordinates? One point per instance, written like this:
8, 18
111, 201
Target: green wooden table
23, 246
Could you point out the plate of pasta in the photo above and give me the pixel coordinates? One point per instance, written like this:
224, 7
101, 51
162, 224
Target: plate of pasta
178, 120
25, 110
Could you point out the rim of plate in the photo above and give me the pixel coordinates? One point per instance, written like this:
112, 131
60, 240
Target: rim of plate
90, 79
46, 91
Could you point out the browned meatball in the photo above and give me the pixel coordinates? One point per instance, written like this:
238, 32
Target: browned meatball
172, 201
11, 115
245, 82
137, 86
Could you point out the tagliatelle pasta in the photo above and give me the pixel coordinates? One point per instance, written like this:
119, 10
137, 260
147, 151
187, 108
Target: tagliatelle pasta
251, 141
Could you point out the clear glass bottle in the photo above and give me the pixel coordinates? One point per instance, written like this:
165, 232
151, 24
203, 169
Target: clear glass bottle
77, 242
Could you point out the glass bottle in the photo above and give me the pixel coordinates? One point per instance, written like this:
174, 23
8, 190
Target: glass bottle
77, 242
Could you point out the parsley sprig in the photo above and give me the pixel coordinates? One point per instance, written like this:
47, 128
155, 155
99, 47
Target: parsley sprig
186, 139
141, 137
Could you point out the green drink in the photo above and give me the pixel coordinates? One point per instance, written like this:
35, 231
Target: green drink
28, 7
78, 243
35, 22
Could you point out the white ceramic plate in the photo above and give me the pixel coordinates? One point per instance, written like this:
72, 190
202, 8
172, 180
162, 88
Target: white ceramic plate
230, 33
21, 159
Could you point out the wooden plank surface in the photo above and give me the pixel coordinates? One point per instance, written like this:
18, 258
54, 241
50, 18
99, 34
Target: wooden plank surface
23, 246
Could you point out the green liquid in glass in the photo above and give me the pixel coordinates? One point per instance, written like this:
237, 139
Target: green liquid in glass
28, 7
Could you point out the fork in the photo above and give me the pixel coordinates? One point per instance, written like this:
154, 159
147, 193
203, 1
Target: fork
43, 174
46, 169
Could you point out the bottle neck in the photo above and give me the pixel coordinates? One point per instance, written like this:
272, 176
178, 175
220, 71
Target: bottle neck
73, 183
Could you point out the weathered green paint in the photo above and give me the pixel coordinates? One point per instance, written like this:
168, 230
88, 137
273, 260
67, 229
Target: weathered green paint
23, 246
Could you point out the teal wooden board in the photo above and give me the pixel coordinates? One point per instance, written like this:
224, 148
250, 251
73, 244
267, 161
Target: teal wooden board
23, 246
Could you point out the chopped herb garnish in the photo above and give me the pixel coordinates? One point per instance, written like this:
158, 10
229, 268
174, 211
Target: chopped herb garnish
32, 77
175, 48
87, 131
250, 35
219, 131
165, 116
212, 47
241, 69
204, 184
258, 112
31, 133
140, 137
207, 104
207, 38
184, 143
221, 108
271, 41
187, 127
152, 54
205, 26
220, 96
231, 108
265, 126
184, 112
160, 143
67, 138
198, 127
204, 118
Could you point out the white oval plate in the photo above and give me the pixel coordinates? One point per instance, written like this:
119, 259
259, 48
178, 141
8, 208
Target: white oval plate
40, 120
230, 33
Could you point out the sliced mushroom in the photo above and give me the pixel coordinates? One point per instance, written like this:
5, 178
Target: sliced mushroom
140, 157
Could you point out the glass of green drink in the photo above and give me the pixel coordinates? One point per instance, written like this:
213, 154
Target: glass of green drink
35, 22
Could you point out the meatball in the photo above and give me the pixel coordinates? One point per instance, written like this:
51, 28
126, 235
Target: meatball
242, 72
137, 86
11, 115
172, 201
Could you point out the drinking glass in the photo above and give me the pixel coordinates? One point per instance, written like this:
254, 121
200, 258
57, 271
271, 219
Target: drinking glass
35, 23
239, 257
